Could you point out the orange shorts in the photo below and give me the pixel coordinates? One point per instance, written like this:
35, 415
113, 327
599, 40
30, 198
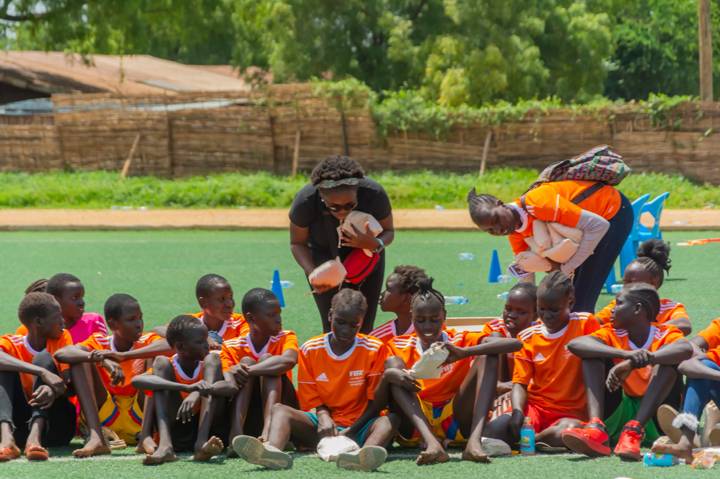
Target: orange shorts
542, 418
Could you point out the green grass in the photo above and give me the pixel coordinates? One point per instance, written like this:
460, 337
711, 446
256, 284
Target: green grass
160, 269
407, 190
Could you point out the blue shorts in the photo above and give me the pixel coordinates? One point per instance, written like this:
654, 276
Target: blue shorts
361, 435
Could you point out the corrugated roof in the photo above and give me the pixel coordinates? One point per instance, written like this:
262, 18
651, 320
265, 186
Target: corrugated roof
57, 72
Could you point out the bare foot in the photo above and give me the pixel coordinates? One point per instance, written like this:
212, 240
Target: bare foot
94, 447
432, 456
146, 446
160, 456
674, 449
475, 453
212, 447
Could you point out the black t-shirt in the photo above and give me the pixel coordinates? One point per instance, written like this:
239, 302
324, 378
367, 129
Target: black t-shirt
308, 211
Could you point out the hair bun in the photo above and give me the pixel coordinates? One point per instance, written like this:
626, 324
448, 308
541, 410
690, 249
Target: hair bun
658, 251
425, 284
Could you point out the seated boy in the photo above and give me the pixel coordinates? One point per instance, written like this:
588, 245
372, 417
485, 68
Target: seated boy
215, 296
547, 380
187, 413
646, 356
33, 409
400, 287
337, 376
260, 363
106, 394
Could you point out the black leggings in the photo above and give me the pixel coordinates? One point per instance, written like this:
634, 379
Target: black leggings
590, 276
370, 288
15, 410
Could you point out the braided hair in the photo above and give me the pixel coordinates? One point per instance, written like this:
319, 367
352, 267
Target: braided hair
336, 168
409, 277
653, 256
646, 295
480, 205
556, 282
426, 294
37, 286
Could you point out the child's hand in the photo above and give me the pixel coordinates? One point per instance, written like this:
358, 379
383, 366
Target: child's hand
638, 358
54, 382
455, 353
214, 345
203, 387
402, 378
326, 426
99, 355
241, 373
186, 411
42, 397
618, 374
516, 422
117, 376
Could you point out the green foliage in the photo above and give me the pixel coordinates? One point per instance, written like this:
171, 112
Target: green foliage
423, 189
661, 107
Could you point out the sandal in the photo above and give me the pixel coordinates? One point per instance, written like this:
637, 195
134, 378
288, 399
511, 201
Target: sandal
9, 453
36, 453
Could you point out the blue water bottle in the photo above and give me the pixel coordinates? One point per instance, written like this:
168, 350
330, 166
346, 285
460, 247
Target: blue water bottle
527, 438
651, 459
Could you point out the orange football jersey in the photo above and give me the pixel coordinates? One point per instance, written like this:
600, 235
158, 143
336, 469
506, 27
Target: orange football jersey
387, 331
444, 388
234, 350
19, 348
711, 334
131, 367
345, 383
236, 326
552, 374
669, 310
660, 335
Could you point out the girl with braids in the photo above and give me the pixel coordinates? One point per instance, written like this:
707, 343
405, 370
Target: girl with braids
547, 380
645, 356
454, 406
339, 186
400, 287
603, 214
650, 266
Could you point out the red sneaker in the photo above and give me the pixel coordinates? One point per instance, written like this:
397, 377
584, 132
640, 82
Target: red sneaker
591, 439
628, 446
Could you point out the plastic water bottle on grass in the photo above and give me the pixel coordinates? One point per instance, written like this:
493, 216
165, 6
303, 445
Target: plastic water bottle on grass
616, 288
650, 459
466, 256
456, 300
504, 278
503, 296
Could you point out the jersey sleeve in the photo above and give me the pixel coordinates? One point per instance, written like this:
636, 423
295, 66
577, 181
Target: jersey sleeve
671, 335
6, 346
604, 316
21, 330
711, 334
473, 339
604, 334
517, 243
679, 312
65, 340
591, 324
375, 372
523, 367
227, 357
290, 342
99, 326
545, 204
148, 338
92, 343
307, 387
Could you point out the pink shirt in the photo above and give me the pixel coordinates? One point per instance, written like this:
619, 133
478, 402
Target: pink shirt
89, 324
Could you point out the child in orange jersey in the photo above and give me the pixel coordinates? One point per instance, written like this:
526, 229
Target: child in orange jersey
653, 260
188, 414
215, 296
33, 408
337, 376
260, 363
455, 405
400, 287
646, 356
106, 394
547, 379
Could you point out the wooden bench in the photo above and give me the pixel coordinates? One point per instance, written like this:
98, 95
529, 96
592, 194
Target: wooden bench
468, 323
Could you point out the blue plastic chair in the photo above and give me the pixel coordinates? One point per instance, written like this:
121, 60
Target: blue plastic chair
629, 249
654, 208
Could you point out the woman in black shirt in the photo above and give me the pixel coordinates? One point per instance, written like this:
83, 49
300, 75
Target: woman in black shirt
339, 186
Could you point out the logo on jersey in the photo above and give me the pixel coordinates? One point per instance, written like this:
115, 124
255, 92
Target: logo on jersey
322, 378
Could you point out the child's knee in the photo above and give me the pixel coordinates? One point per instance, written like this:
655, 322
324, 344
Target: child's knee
45, 361
162, 367
280, 411
248, 361
395, 362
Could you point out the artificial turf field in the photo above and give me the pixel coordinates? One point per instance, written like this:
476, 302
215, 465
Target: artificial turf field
160, 269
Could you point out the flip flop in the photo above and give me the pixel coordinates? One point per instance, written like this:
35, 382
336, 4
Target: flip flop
545, 448
665, 415
9, 453
36, 453
714, 437
255, 452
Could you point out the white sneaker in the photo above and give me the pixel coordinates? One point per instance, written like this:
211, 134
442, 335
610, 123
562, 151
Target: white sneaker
495, 447
367, 459
255, 451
